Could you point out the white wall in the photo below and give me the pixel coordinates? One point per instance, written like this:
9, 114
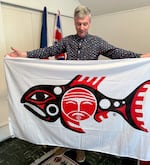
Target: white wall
65, 6
20, 27
128, 29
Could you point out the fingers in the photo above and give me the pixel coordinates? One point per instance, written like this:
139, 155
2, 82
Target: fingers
15, 50
16, 53
146, 55
12, 48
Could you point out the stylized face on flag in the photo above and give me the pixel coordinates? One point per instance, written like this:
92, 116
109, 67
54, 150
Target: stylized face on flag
78, 104
80, 100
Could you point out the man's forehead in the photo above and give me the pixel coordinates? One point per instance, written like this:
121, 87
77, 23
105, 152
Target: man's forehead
82, 18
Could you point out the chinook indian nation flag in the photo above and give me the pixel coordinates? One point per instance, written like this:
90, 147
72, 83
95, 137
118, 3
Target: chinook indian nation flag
58, 35
100, 105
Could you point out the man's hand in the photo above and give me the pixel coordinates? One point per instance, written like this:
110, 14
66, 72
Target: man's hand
17, 53
145, 55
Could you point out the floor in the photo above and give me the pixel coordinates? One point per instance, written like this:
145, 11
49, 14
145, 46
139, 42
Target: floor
18, 152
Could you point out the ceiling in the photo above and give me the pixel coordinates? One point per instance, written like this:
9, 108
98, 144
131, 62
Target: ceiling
99, 7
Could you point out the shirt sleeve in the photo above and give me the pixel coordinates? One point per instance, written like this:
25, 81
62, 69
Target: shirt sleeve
46, 52
113, 52
117, 53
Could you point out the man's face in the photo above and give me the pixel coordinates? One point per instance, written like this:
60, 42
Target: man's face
82, 25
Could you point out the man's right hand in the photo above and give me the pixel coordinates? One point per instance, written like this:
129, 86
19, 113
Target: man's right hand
17, 53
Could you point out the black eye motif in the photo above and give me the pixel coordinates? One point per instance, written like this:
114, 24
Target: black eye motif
40, 96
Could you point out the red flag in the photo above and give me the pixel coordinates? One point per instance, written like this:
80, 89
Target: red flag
58, 35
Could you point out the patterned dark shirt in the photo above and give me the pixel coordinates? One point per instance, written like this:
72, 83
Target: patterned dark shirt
87, 48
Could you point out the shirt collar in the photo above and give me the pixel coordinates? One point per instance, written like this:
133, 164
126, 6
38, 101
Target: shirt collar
84, 38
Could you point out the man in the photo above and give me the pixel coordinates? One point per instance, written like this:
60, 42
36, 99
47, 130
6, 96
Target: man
81, 46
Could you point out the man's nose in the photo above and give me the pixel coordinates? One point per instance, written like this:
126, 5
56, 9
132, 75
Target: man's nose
81, 27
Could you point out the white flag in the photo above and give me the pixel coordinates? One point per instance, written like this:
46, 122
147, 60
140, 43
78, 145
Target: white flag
92, 105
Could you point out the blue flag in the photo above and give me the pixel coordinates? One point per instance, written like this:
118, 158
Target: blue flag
43, 42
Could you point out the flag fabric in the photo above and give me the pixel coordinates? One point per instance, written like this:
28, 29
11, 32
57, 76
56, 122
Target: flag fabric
100, 105
144, 162
58, 35
43, 42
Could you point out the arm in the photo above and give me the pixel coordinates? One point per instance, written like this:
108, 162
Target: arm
46, 52
37, 53
118, 53
42, 53
114, 52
